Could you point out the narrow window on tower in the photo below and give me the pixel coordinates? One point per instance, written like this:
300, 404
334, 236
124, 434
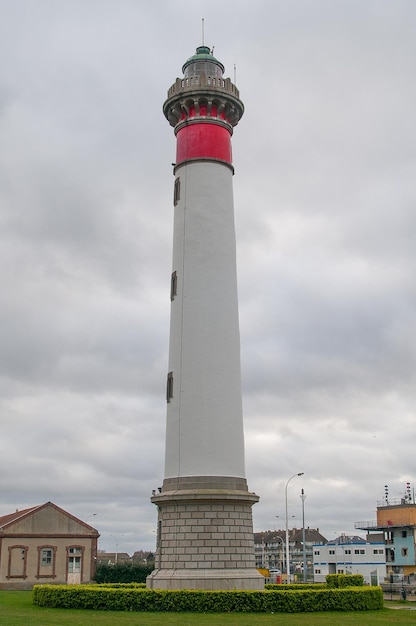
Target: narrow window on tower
169, 387
173, 285
177, 191
159, 533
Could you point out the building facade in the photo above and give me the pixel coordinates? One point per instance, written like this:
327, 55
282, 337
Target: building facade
350, 555
396, 527
45, 544
270, 551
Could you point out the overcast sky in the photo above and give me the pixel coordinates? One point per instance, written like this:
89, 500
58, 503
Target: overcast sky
325, 204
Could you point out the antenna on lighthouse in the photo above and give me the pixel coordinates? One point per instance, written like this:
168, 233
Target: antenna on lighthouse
203, 31
235, 74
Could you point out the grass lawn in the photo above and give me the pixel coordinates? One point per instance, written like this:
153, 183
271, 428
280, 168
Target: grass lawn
16, 609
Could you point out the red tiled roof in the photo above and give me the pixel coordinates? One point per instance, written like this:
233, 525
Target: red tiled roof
6, 520
12, 517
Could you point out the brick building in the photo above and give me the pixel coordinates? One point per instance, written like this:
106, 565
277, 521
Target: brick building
45, 544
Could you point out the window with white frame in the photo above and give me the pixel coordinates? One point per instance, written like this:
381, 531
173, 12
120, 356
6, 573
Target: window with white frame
74, 564
46, 557
74, 559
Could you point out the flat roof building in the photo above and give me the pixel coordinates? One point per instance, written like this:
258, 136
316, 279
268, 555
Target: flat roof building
350, 555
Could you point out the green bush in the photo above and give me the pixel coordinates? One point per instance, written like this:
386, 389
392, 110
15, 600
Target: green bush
295, 586
120, 585
122, 573
138, 599
344, 580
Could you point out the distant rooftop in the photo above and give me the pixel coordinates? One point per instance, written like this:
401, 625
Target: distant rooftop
345, 539
395, 502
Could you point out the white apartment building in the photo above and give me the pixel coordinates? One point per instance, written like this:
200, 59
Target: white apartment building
350, 555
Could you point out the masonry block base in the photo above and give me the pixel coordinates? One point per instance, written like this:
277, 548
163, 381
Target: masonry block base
208, 580
205, 535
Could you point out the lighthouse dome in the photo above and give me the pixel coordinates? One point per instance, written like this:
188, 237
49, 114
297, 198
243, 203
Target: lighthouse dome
203, 62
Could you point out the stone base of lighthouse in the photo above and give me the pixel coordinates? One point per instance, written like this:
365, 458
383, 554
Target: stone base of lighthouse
205, 535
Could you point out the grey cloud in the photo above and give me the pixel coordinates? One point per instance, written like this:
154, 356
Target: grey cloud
324, 200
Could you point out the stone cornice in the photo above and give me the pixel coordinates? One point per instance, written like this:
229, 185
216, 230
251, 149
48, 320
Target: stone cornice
218, 96
205, 495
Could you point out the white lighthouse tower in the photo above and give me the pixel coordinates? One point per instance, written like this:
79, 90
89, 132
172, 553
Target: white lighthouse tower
205, 528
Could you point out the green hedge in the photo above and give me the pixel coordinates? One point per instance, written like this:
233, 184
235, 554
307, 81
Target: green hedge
119, 585
283, 601
295, 586
122, 573
344, 580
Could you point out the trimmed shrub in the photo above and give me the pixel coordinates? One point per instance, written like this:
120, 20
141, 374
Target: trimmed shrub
138, 599
344, 580
295, 586
121, 585
122, 573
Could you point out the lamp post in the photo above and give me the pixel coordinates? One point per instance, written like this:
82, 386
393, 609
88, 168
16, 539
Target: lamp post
305, 566
287, 527
279, 561
116, 542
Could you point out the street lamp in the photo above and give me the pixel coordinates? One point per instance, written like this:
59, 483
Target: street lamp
116, 541
279, 561
305, 566
287, 528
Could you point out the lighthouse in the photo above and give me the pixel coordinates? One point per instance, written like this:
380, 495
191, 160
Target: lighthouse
205, 528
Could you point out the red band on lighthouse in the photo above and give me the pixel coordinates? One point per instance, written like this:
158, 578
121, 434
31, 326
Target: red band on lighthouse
203, 141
